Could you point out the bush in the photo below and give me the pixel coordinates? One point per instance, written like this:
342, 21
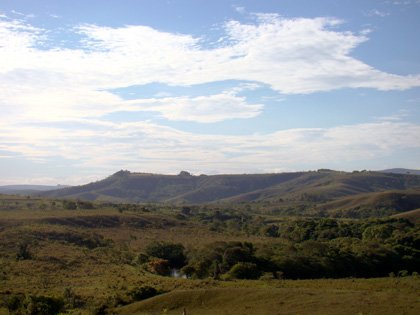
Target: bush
23, 252
403, 273
85, 205
71, 299
141, 259
69, 205
43, 305
14, 302
143, 293
245, 270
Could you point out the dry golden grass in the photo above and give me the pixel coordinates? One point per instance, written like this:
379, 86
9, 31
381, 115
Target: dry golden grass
296, 297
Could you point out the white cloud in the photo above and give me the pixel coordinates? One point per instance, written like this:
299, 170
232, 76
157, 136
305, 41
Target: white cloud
239, 9
376, 12
290, 55
405, 2
25, 16
204, 109
142, 146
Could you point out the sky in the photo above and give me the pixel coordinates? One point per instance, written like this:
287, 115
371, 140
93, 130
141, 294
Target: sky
88, 88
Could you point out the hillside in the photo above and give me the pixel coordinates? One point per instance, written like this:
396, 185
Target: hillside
373, 204
309, 187
413, 215
326, 299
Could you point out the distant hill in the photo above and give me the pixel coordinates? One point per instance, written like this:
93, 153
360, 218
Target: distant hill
300, 187
27, 189
401, 171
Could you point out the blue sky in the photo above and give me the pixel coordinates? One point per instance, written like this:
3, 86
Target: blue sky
91, 87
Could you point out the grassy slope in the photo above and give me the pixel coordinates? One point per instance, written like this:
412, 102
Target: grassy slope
374, 296
304, 186
413, 215
397, 200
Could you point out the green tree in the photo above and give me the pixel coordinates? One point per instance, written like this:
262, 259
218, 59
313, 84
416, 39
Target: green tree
173, 253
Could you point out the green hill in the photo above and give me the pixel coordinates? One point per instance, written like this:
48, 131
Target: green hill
310, 187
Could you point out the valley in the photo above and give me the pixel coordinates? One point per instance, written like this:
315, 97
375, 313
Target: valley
354, 251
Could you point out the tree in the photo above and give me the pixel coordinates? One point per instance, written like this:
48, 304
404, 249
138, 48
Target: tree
173, 253
159, 266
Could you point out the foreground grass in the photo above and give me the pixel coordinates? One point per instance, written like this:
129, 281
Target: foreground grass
361, 296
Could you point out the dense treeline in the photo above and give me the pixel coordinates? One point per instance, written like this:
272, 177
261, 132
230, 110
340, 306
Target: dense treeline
311, 248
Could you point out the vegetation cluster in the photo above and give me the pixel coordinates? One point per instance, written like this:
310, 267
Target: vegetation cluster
310, 248
84, 257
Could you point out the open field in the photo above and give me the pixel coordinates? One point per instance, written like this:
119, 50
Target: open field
382, 296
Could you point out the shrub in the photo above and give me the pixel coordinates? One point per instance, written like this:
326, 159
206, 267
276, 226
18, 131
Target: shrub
245, 270
69, 205
14, 302
143, 293
85, 205
71, 299
271, 231
402, 273
23, 252
140, 259
43, 305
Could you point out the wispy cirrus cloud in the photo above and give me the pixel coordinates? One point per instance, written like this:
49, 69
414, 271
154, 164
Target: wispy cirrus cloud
376, 12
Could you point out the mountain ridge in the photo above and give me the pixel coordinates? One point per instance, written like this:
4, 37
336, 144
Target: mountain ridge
184, 188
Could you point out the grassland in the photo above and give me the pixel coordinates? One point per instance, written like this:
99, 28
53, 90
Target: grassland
86, 258
348, 296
